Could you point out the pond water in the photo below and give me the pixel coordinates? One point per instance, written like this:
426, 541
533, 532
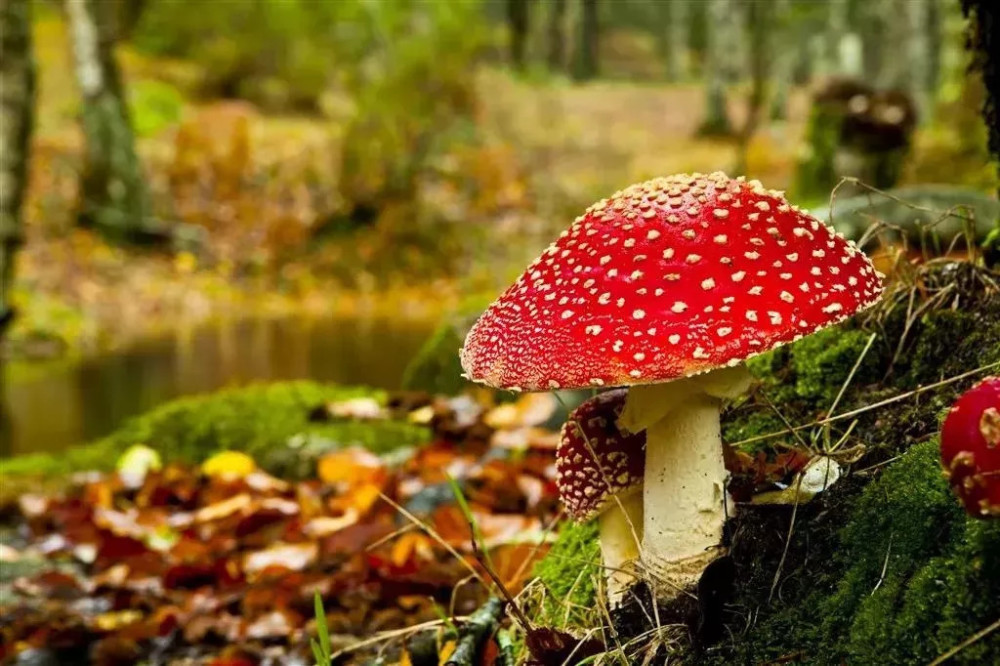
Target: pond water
80, 402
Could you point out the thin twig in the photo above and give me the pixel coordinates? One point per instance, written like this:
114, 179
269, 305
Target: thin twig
788, 541
392, 634
885, 566
432, 533
876, 405
978, 636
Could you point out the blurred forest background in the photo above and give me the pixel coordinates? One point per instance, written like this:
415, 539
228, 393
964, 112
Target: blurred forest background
314, 167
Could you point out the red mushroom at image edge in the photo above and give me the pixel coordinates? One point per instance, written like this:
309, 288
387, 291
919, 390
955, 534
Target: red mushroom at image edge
970, 448
599, 472
667, 287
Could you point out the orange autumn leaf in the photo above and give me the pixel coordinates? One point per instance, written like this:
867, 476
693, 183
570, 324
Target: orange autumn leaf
412, 546
359, 498
352, 465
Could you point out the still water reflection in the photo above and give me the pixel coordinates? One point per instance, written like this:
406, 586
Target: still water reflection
72, 405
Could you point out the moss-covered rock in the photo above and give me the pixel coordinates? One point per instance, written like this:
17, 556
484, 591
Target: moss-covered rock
910, 576
270, 422
436, 367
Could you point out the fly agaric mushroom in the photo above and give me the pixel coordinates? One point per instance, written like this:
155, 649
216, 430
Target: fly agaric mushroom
599, 473
667, 287
970, 448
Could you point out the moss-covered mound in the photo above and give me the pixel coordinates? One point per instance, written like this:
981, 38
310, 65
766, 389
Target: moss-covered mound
270, 422
884, 567
436, 367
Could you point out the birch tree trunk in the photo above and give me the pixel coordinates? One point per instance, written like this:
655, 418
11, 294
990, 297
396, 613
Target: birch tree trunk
717, 71
113, 194
17, 95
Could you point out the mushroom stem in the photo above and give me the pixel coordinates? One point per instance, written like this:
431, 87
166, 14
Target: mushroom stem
621, 534
684, 486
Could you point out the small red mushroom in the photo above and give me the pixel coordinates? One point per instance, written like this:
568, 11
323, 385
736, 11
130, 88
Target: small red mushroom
970, 448
599, 472
667, 287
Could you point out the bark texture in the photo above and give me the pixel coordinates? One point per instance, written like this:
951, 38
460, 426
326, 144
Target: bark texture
984, 43
113, 194
17, 93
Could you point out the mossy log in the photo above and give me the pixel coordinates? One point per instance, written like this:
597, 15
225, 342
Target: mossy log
270, 422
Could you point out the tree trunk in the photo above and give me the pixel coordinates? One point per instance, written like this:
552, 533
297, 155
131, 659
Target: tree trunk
113, 194
718, 42
984, 44
782, 61
17, 107
17, 85
829, 63
587, 59
517, 21
678, 28
919, 43
760, 21
557, 35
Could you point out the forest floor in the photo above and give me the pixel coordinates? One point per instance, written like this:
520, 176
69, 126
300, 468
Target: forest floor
209, 524
255, 186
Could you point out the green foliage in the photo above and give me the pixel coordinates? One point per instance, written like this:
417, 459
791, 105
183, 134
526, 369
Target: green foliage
241, 45
411, 88
154, 105
322, 649
568, 573
259, 420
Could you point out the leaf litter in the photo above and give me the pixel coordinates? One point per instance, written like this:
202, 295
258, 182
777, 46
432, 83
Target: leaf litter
222, 563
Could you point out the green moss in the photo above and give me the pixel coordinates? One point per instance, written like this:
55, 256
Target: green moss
911, 577
951, 342
270, 422
568, 573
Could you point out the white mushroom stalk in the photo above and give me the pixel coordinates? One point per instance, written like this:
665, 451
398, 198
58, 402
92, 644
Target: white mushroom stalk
620, 528
685, 480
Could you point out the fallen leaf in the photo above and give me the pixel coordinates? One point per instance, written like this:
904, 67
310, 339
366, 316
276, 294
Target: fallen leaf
293, 556
353, 465
229, 464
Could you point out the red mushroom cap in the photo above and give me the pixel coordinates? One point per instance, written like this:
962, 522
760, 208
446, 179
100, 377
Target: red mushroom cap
584, 488
669, 278
970, 448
